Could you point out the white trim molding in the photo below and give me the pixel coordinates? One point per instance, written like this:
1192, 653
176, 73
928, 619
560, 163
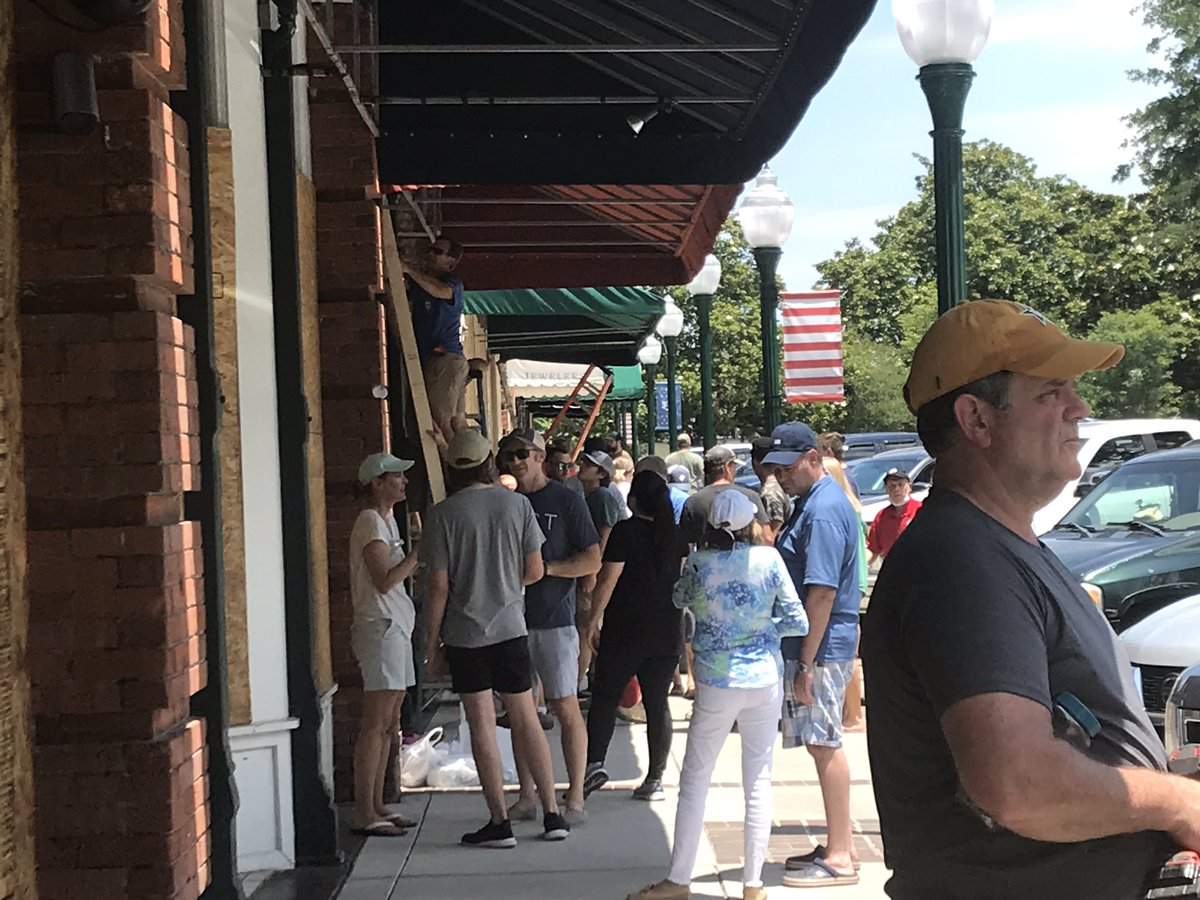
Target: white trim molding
266, 829
325, 738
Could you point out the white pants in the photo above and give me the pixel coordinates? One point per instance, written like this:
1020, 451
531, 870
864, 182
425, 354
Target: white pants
756, 711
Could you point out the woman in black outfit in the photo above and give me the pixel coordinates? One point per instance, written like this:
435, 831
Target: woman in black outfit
641, 628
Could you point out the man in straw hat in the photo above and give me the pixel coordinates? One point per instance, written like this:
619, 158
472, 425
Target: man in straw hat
978, 642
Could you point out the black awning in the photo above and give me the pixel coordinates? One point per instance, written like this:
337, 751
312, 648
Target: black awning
541, 91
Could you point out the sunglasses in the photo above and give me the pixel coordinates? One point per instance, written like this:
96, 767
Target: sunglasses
508, 455
562, 466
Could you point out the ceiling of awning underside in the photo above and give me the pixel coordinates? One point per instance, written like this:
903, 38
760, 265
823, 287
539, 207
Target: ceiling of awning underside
568, 236
729, 80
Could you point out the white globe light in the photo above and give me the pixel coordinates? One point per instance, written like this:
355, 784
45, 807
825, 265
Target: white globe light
767, 212
671, 323
943, 31
651, 351
708, 279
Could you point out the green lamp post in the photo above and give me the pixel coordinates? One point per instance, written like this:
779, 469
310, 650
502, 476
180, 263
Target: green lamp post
669, 327
649, 355
766, 217
702, 288
944, 37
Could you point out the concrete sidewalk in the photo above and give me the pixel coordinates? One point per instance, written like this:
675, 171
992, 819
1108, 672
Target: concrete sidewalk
625, 844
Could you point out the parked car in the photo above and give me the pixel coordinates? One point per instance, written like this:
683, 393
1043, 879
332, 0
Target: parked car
868, 443
1161, 647
1182, 725
1134, 540
1104, 445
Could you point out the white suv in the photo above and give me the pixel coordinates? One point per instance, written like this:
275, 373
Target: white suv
1104, 445
1160, 647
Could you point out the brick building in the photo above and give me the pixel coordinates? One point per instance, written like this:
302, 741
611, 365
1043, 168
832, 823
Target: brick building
192, 328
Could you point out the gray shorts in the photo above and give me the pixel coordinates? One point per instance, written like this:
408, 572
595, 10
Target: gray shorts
555, 656
385, 655
818, 725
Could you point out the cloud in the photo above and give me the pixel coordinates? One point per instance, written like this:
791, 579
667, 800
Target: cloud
1082, 142
1073, 25
818, 233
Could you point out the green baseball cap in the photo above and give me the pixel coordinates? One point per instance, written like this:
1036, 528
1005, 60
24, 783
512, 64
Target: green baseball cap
380, 464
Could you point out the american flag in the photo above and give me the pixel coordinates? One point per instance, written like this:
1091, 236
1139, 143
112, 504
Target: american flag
812, 346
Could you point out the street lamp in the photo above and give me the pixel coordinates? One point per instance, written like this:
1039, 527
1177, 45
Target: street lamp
702, 288
766, 216
669, 328
649, 355
943, 37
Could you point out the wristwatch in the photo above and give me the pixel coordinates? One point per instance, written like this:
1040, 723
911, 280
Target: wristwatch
802, 667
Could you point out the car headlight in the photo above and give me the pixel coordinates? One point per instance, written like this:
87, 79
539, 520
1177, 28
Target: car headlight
1094, 592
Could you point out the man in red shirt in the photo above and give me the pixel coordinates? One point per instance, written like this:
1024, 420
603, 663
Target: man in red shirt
893, 518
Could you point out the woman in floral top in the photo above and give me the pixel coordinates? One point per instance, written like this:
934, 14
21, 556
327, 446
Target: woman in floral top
744, 602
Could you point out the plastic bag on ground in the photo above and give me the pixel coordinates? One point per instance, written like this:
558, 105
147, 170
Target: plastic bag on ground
419, 758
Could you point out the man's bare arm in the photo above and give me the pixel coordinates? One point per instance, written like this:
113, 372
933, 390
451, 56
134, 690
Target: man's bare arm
818, 604
585, 562
437, 592
1013, 768
535, 568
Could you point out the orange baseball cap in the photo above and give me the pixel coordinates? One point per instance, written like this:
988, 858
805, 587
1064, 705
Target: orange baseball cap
982, 337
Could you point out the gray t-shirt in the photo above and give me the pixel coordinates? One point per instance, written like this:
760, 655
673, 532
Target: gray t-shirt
479, 537
963, 607
691, 461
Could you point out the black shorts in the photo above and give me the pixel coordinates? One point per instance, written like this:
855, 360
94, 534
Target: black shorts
503, 667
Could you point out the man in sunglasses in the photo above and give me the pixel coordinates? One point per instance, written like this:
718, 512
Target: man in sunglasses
436, 297
571, 551
558, 460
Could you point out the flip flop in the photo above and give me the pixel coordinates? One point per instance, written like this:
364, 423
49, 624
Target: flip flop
400, 821
819, 874
381, 828
804, 860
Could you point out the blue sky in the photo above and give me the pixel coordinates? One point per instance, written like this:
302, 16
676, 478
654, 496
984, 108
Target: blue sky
1051, 84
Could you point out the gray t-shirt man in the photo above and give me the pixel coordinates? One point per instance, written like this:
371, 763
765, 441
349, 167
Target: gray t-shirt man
964, 607
480, 537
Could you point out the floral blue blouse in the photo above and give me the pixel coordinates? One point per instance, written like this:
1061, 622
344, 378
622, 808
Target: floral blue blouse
744, 602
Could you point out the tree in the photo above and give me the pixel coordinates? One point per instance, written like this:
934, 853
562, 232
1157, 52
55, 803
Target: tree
1073, 253
1167, 130
1140, 385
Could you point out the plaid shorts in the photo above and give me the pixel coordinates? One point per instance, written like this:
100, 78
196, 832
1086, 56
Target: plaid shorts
821, 723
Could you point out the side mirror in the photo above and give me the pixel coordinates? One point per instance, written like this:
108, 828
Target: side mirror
1181, 723
1083, 489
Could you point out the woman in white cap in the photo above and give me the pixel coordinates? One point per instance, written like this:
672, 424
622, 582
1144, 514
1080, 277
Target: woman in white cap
381, 635
744, 602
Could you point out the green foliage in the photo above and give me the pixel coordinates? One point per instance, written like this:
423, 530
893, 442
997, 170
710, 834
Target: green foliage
1167, 142
1080, 256
1141, 384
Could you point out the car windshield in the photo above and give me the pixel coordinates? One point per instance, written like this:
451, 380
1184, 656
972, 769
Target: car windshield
1164, 494
868, 473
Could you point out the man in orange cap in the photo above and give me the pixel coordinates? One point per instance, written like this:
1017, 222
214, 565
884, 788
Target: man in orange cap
978, 642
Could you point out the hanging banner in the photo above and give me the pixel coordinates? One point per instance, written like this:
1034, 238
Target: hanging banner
812, 346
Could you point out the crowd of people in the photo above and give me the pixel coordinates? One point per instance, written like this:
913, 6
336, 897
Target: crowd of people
542, 573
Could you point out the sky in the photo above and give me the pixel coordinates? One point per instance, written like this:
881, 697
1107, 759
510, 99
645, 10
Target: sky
1051, 83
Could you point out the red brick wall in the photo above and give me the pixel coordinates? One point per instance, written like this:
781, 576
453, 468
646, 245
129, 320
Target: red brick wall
349, 277
115, 582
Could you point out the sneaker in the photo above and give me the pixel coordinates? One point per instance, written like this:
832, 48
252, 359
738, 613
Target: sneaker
651, 789
574, 817
556, 827
493, 834
595, 776
519, 813
502, 721
545, 720
664, 890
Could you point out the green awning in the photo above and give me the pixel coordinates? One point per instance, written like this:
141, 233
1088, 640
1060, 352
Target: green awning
578, 325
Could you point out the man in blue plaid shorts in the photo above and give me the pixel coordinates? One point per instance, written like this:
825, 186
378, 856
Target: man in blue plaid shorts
819, 545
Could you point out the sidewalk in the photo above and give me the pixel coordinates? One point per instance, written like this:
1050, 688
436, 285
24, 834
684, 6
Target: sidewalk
625, 844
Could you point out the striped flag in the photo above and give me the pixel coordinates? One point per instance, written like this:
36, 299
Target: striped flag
812, 346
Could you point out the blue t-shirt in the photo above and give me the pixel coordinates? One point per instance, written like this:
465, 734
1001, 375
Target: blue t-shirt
565, 521
436, 321
819, 546
678, 498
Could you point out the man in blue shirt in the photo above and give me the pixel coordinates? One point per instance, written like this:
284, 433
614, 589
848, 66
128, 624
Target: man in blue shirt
819, 545
436, 297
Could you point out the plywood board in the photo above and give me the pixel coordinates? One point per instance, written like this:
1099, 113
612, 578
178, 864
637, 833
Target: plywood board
225, 329
402, 317
310, 354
